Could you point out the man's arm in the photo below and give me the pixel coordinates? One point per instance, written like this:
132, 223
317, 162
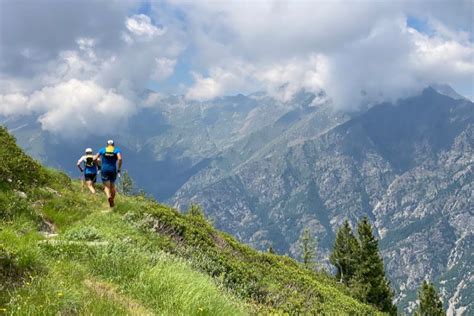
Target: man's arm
79, 163
96, 158
97, 161
119, 159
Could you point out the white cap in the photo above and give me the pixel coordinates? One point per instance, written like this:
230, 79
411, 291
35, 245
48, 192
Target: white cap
110, 142
88, 150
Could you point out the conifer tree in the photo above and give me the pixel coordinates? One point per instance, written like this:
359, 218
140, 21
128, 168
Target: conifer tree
430, 303
370, 283
126, 185
307, 244
344, 254
196, 211
270, 249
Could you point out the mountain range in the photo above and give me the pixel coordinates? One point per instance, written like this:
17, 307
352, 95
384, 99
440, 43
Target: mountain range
264, 170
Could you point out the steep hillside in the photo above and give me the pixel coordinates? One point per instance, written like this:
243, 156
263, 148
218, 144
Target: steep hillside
408, 167
62, 251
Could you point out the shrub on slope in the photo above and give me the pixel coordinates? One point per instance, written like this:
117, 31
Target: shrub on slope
17, 170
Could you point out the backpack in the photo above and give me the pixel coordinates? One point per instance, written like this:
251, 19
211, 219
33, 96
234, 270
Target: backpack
109, 151
89, 161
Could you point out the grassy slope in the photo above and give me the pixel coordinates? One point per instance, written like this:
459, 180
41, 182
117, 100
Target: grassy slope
142, 258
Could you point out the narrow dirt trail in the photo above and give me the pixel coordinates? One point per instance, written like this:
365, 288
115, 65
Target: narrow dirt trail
111, 293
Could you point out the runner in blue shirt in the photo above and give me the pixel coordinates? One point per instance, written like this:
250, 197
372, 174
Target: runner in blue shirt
90, 169
111, 159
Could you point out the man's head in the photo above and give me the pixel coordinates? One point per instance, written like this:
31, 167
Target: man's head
110, 142
88, 151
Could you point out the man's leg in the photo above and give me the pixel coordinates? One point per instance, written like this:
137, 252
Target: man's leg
109, 190
90, 186
112, 190
112, 194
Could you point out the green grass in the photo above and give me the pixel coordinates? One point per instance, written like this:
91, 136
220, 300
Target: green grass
141, 258
54, 276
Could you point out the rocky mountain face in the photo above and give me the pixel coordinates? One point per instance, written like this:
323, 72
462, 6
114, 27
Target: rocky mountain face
408, 167
264, 170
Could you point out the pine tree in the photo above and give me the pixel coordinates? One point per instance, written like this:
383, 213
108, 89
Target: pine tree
307, 244
270, 249
344, 254
430, 303
126, 185
370, 283
196, 211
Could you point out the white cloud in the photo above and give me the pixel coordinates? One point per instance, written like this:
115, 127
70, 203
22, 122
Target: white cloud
164, 67
235, 77
72, 108
355, 51
42, 29
87, 65
205, 88
443, 58
87, 45
285, 79
12, 104
280, 80
141, 26
152, 99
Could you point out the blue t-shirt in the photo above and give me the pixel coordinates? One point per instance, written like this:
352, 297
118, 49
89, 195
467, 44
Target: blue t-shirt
108, 156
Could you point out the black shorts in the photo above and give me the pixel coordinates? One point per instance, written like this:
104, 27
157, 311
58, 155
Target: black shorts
90, 177
108, 176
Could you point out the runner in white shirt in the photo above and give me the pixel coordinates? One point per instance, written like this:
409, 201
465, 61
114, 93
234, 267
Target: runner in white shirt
89, 170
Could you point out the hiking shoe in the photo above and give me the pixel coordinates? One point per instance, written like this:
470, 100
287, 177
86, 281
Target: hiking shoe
111, 202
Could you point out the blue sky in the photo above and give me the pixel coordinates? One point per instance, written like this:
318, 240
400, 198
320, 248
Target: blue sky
420, 24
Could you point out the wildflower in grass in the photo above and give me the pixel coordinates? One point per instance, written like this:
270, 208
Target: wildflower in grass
60, 294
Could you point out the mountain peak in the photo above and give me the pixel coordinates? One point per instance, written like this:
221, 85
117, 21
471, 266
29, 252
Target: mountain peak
446, 90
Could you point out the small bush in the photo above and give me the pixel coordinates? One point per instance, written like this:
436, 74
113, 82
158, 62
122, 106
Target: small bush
17, 170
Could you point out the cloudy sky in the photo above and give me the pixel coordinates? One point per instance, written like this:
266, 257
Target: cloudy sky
90, 60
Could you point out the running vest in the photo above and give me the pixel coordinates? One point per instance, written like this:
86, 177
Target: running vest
89, 161
109, 156
89, 164
110, 151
